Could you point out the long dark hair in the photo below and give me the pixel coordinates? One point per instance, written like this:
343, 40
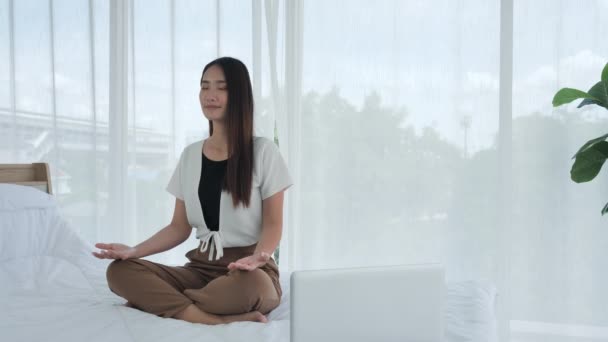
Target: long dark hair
239, 128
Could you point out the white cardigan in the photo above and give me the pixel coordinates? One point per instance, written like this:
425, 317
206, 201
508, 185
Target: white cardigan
239, 226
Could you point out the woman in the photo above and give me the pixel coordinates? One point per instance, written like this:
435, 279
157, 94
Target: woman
230, 188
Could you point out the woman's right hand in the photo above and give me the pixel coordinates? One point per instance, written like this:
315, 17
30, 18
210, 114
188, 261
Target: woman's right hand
115, 251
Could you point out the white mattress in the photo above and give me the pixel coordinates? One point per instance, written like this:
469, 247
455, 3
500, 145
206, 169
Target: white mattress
53, 289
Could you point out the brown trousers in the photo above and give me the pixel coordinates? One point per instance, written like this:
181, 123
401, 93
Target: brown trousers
167, 290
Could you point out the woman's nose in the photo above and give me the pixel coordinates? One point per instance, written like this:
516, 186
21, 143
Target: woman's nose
209, 98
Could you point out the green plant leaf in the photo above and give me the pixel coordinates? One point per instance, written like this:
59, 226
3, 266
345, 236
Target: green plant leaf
602, 146
589, 162
600, 93
567, 95
590, 143
590, 158
588, 102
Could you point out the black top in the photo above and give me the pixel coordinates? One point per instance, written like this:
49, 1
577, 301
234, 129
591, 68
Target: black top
210, 190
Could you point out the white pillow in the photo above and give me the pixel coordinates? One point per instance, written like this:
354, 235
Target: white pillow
17, 197
470, 312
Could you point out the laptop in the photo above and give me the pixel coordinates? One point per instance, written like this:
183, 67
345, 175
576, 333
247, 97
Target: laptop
379, 304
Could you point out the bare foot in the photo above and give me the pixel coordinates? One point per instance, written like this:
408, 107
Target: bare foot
254, 316
193, 314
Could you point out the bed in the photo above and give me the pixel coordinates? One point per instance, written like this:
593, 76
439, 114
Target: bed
53, 289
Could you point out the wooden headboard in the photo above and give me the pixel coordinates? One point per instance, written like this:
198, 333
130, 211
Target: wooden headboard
36, 175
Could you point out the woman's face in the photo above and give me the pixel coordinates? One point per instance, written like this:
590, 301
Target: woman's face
214, 94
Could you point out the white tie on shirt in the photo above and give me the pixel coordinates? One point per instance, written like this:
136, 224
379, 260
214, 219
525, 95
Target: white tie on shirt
216, 245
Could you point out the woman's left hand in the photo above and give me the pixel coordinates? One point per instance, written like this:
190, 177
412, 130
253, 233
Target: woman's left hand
251, 262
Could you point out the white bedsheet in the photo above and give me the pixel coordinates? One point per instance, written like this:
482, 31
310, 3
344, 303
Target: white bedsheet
53, 289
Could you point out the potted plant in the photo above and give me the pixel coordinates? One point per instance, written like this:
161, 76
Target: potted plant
591, 156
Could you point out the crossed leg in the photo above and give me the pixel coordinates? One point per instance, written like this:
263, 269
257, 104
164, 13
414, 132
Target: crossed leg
179, 292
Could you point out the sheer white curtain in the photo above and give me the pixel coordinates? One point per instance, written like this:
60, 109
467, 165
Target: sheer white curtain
54, 101
416, 131
557, 237
409, 147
